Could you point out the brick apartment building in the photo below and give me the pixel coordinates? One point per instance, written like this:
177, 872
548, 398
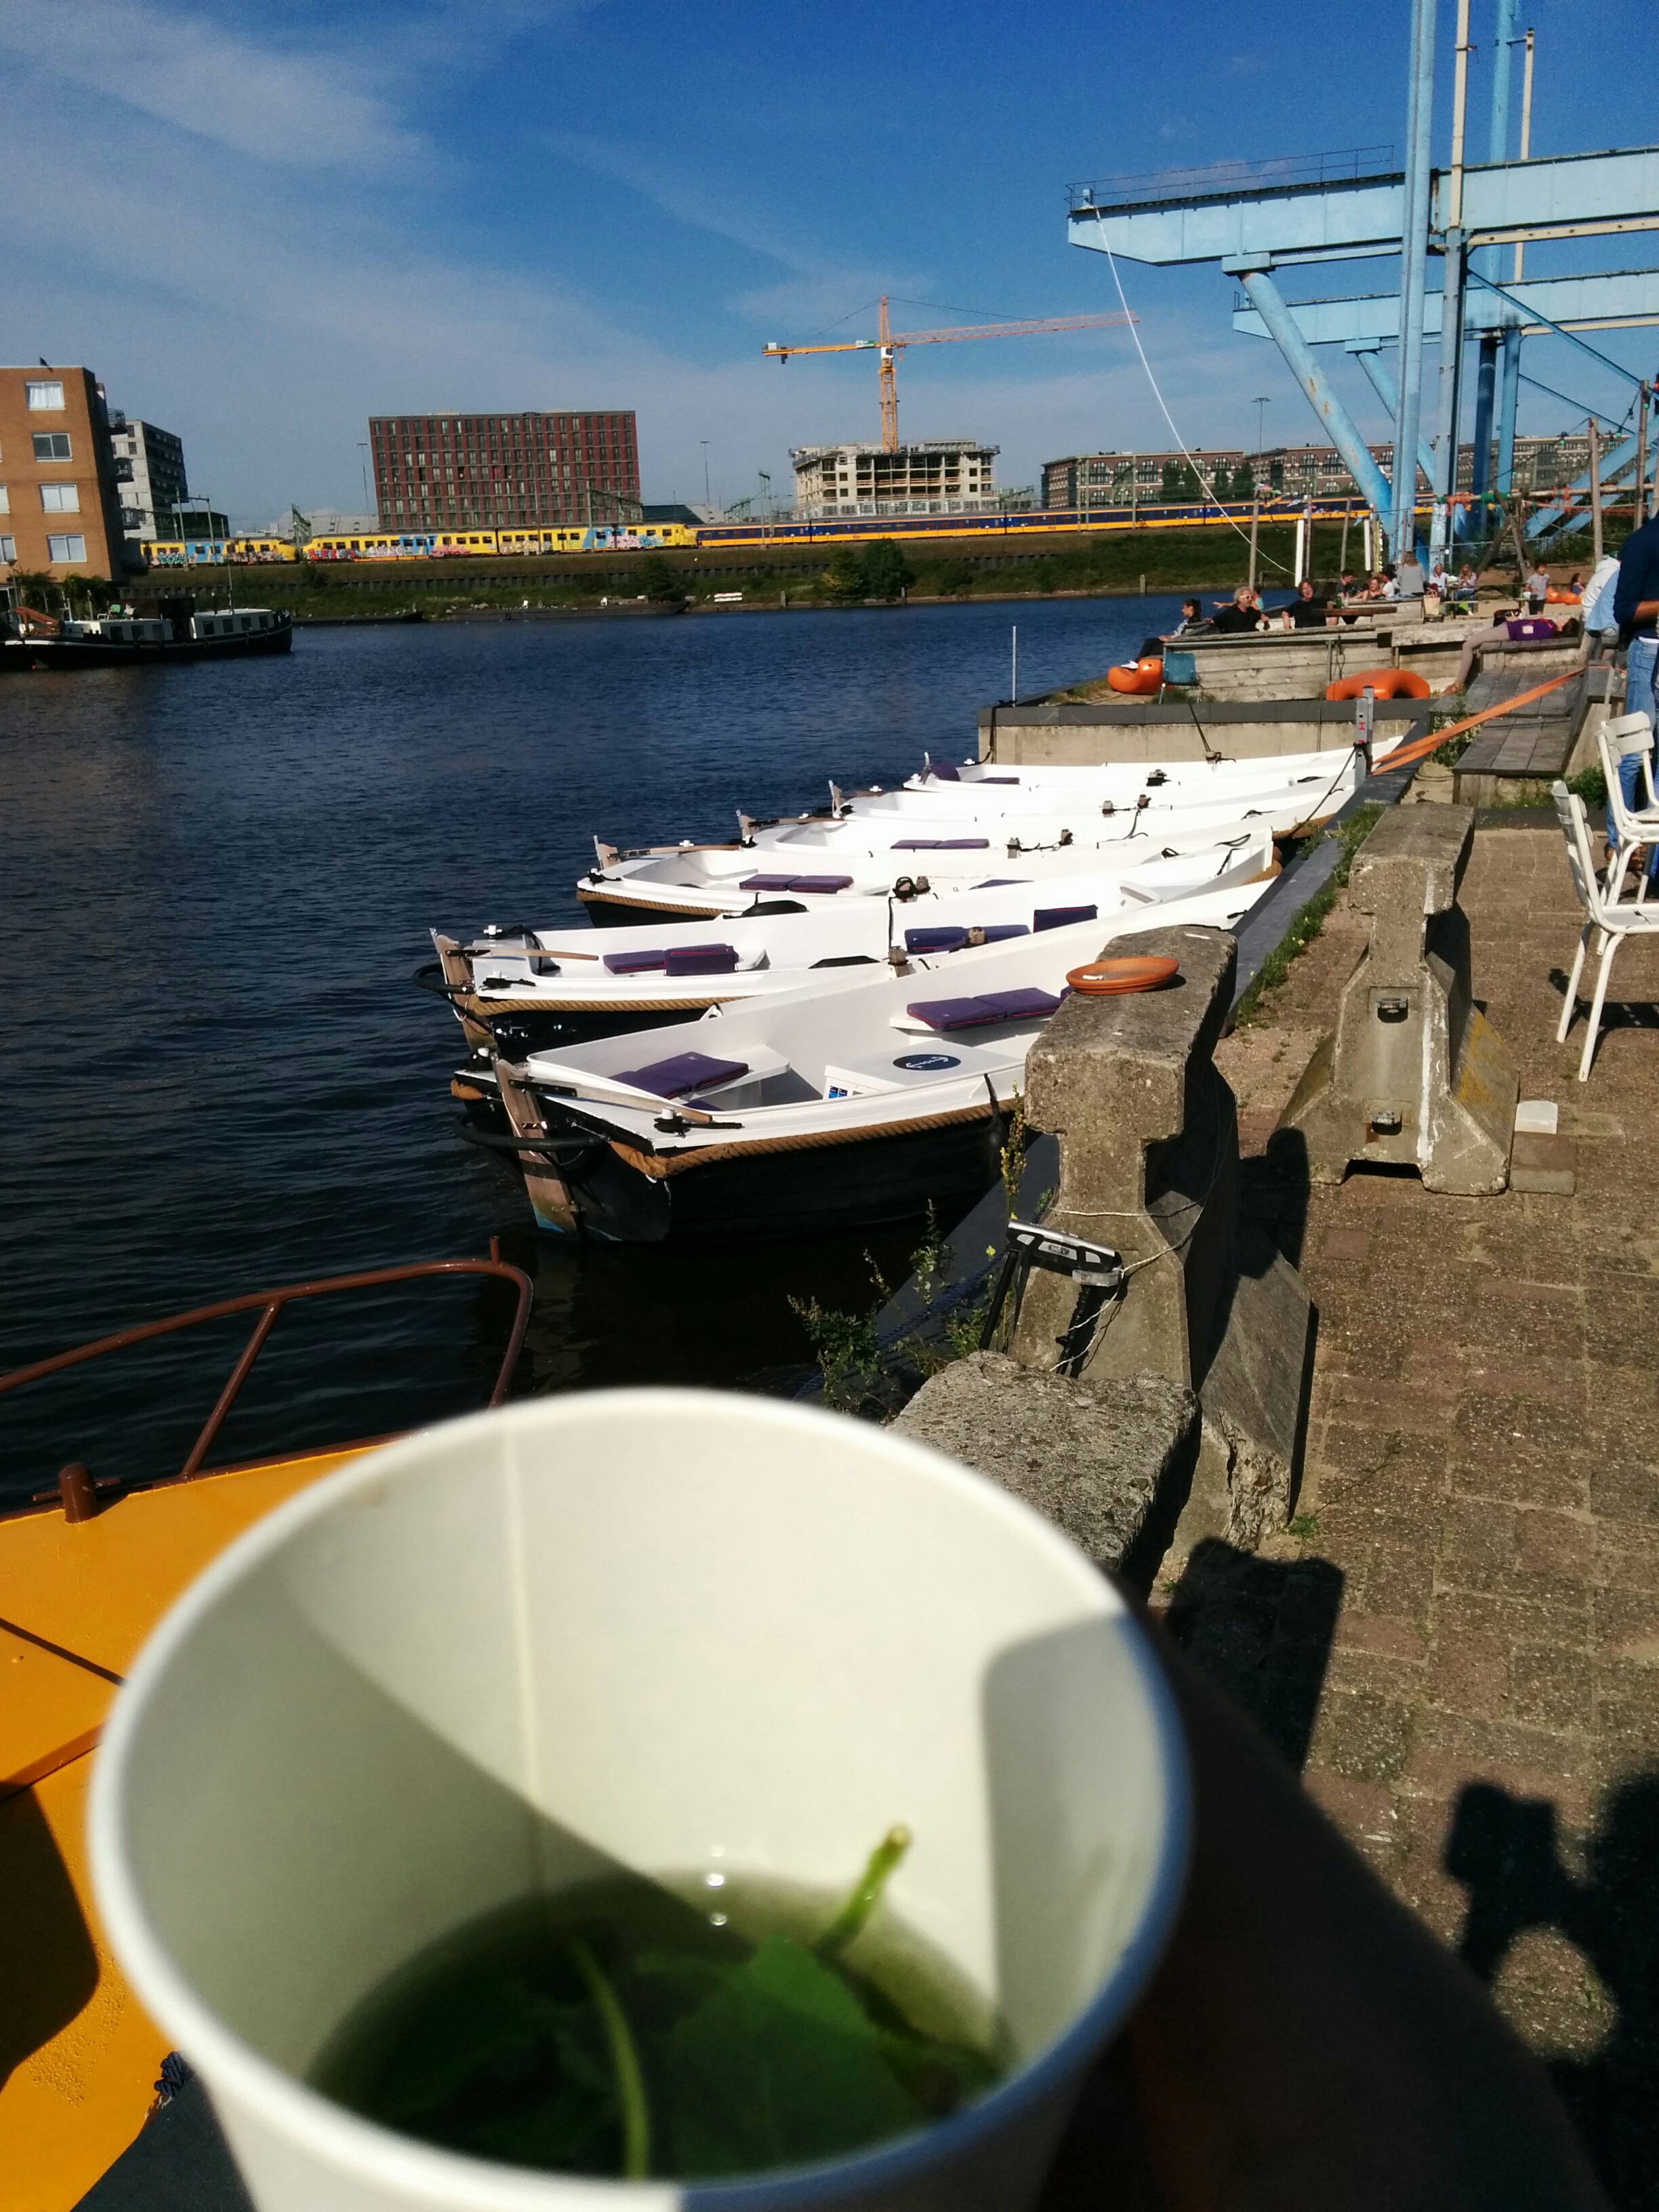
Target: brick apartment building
1081, 480
454, 471
60, 506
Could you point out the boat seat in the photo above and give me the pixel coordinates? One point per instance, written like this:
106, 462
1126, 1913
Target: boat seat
945, 938
1024, 1004
772, 883
1062, 917
632, 964
820, 882
684, 1072
940, 845
701, 960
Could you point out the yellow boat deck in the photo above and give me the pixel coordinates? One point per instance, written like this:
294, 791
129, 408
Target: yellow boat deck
78, 2058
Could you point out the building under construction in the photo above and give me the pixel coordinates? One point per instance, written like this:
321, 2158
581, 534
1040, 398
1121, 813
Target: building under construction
937, 476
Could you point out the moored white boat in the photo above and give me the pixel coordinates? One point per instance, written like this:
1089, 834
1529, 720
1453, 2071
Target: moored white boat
529, 990
833, 1106
807, 863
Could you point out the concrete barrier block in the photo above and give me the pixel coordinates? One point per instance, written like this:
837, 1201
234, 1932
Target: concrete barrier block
1414, 1074
1148, 1139
1105, 1460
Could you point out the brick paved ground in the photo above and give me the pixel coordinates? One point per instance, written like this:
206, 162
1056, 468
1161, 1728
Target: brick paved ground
1481, 1504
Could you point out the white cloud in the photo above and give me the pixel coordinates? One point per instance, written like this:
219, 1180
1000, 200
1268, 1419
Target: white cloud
311, 109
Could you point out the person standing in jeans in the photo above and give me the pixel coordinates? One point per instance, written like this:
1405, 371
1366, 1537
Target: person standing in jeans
1636, 610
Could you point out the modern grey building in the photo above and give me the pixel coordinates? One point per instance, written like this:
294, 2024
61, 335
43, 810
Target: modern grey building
150, 469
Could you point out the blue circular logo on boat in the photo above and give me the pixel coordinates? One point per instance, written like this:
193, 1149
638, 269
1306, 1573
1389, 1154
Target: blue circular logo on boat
927, 1063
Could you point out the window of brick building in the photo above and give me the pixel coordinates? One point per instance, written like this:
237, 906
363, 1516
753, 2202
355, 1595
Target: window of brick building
44, 397
51, 445
60, 498
66, 548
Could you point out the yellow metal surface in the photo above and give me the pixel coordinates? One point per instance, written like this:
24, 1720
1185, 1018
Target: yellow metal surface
78, 2058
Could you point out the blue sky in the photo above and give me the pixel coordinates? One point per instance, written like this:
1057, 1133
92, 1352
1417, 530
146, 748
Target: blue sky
261, 225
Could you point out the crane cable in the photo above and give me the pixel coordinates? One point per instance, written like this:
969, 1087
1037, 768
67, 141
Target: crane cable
1215, 499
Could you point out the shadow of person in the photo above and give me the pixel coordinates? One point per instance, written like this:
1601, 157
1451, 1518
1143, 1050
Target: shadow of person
48, 1967
1506, 1852
1261, 1630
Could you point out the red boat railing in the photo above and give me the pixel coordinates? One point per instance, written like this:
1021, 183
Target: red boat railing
77, 1489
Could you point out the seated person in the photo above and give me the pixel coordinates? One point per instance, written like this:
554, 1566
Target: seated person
1388, 583
1309, 609
1240, 613
1193, 622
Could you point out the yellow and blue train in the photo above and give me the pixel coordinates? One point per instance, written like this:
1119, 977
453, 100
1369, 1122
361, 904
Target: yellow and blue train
640, 538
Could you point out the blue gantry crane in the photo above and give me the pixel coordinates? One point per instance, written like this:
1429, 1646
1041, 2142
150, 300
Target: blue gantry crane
1258, 219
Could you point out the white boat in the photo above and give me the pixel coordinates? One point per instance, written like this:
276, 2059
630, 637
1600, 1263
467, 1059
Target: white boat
834, 1106
528, 990
802, 864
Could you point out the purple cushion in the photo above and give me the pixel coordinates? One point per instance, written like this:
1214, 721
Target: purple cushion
998, 883
632, 963
1058, 917
766, 883
701, 960
941, 938
996, 779
817, 884
980, 1012
941, 845
943, 772
686, 1071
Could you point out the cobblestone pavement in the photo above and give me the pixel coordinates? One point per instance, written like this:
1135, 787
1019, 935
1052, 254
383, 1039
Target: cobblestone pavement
1476, 1565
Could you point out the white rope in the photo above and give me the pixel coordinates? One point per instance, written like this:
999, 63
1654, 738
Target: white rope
1216, 500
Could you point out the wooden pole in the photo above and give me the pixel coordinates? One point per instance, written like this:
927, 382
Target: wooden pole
1595, 489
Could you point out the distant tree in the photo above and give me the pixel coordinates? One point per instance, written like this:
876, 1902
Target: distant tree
844, 578
954, 579
886, 571
658, 573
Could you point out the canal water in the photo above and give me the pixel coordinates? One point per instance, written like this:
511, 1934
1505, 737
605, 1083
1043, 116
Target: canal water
215, 883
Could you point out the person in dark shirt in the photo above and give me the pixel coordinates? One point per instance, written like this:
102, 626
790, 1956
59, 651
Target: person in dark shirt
1636, 610
1307, 609
1242, 614
1193, 623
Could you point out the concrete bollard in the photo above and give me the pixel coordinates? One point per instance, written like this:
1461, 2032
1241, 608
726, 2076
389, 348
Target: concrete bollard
1148, 1136
1414, 1073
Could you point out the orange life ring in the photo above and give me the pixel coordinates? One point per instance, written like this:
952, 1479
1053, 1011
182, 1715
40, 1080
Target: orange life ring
1104, 979
1383, 683
1555, 599
1146, 676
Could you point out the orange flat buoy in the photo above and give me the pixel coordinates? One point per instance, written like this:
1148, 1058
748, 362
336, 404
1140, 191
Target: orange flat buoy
1138, 679
1381, 682
1103, 978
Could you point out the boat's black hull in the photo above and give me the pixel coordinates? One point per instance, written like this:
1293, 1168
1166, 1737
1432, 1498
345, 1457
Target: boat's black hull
620, 914
72, 653
813, 1190
518, 1035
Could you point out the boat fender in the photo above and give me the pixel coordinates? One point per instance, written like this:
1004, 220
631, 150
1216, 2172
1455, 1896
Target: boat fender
1103, 978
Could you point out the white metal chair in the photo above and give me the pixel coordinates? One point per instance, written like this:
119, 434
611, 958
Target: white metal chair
1629, 828
1608, 921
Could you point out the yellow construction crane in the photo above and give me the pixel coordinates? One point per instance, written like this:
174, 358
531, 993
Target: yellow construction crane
889, 344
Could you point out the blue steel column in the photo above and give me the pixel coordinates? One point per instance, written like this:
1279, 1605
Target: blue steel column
1413, 257
1497, 150
1508, 402
1335, 418
1485, 390
1445, 475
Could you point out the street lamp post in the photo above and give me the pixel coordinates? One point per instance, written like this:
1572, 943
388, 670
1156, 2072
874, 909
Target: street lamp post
708, 496
362, 448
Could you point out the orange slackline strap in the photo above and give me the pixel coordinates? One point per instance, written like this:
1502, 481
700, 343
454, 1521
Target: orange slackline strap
1420, 748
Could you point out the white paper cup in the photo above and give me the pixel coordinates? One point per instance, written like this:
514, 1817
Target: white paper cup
665, 1629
